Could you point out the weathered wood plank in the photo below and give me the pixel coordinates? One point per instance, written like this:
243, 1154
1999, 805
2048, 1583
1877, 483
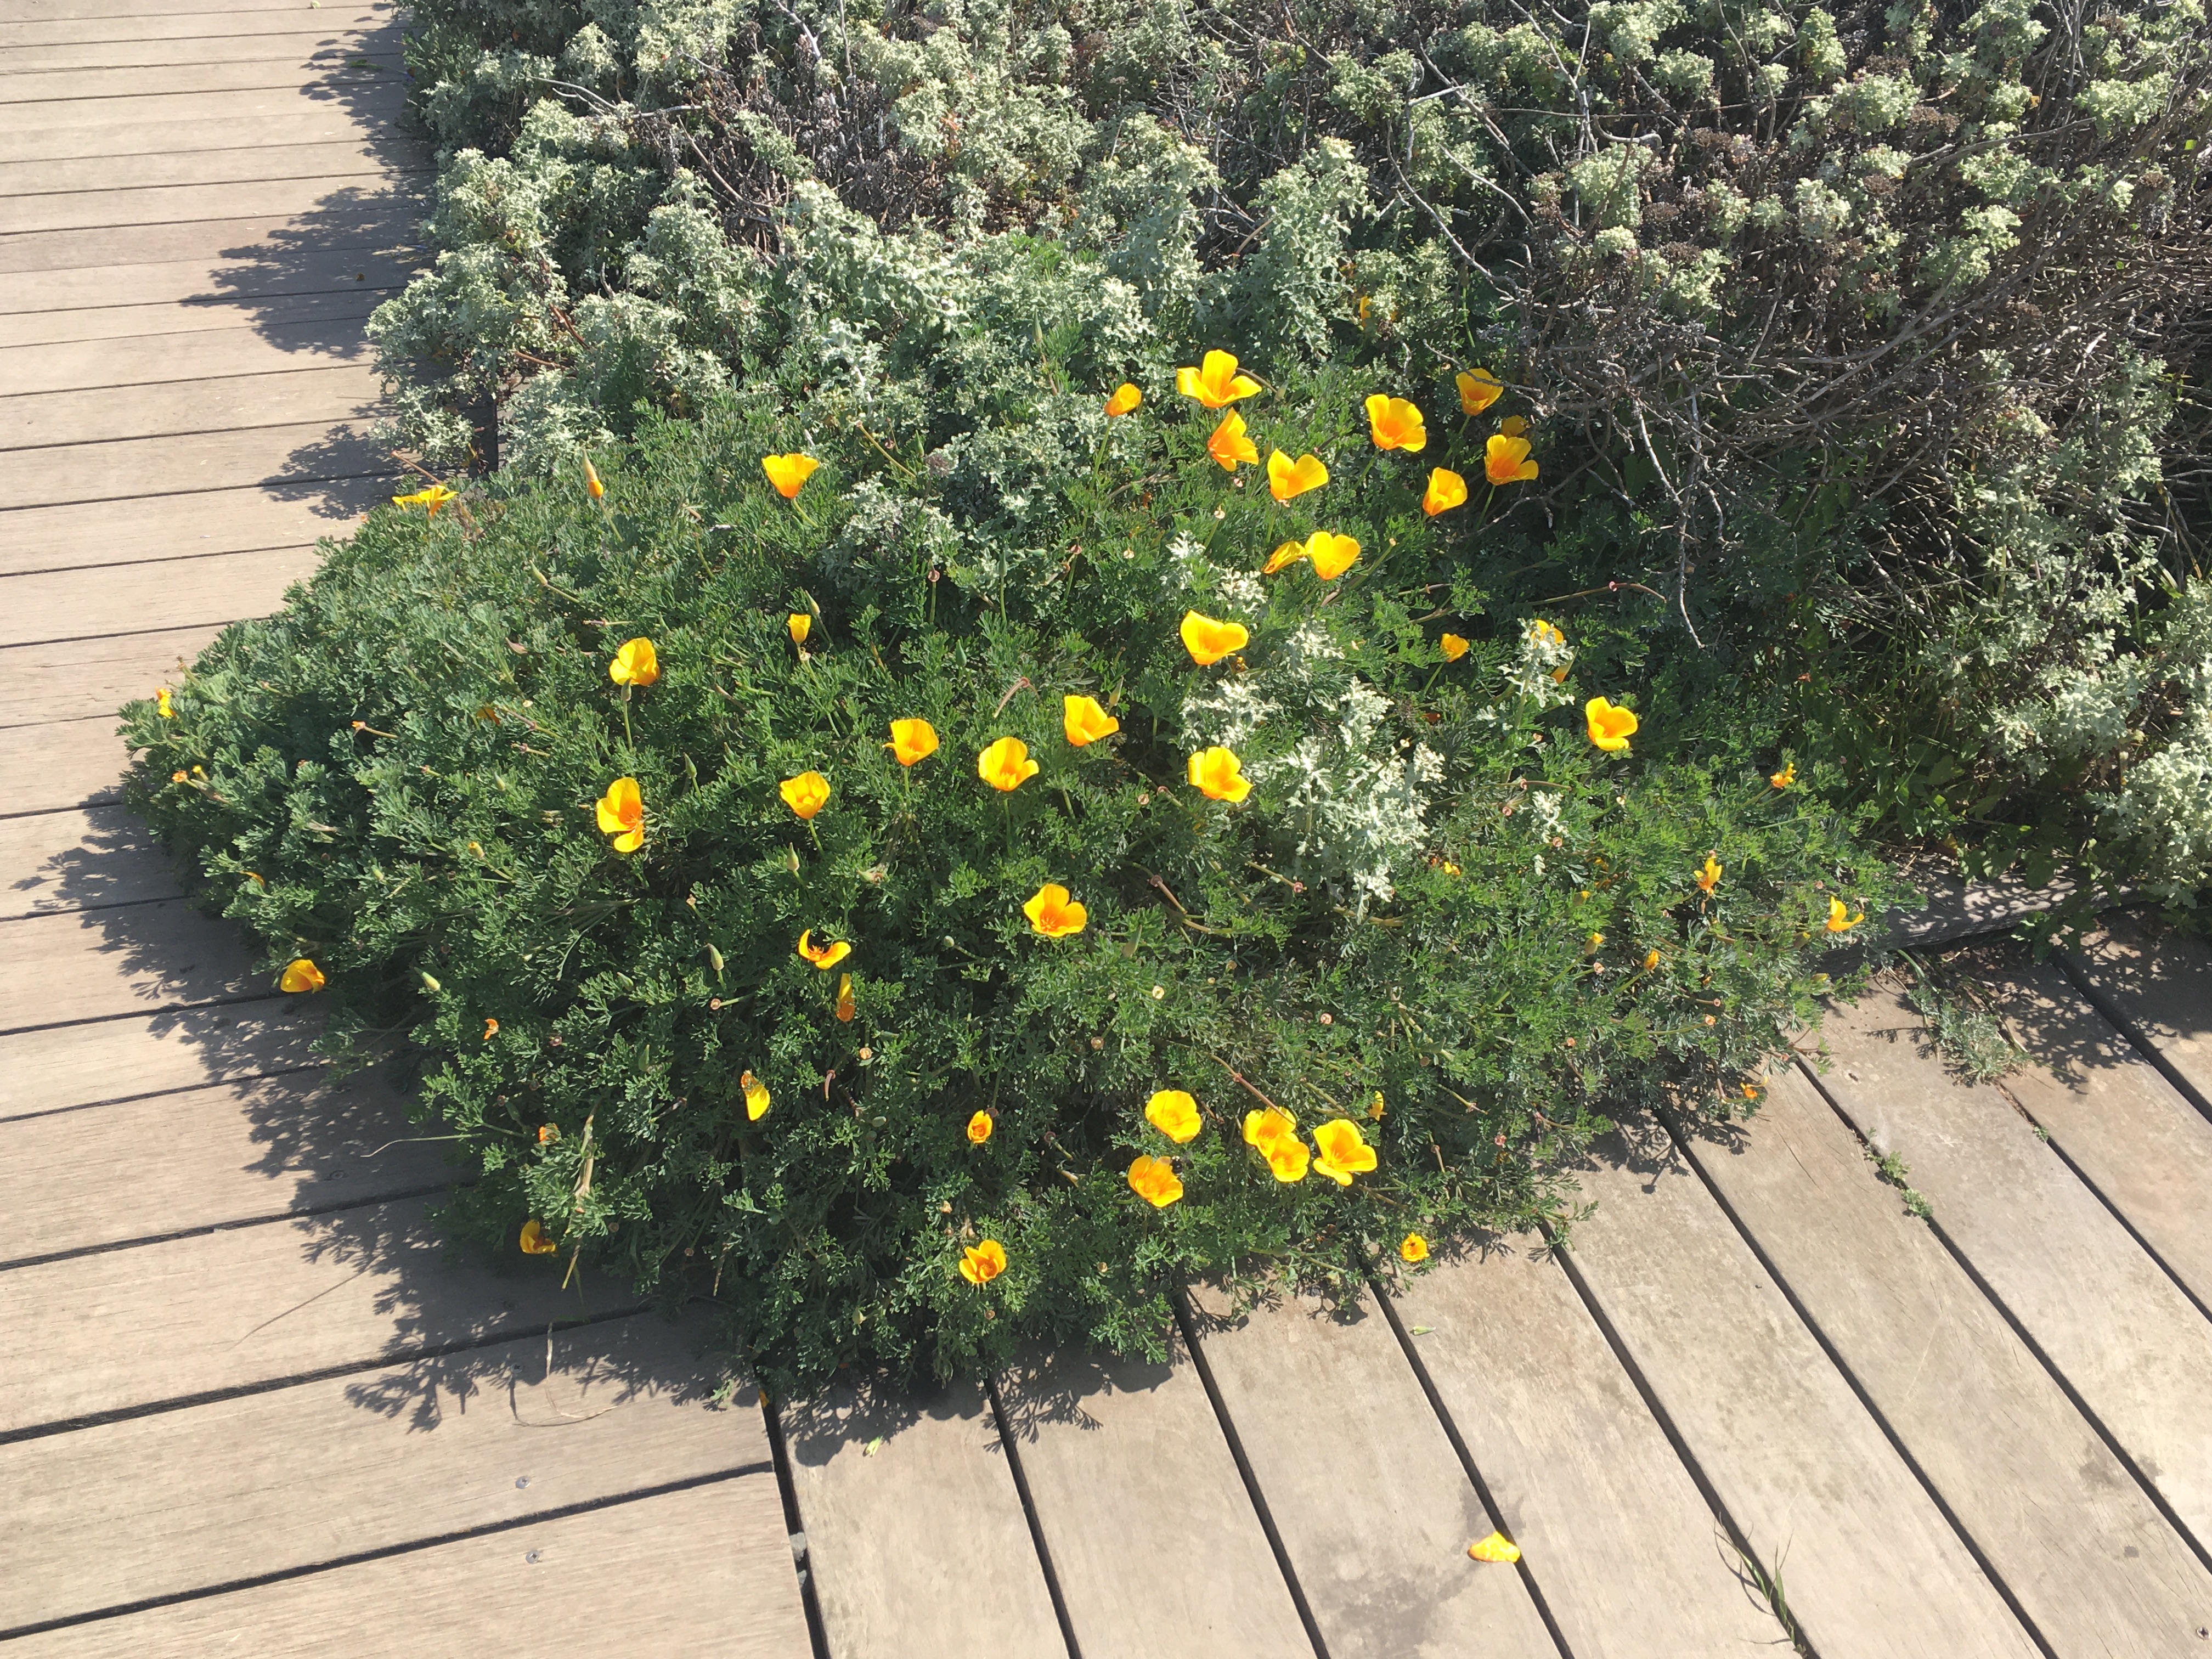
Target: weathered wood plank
191, 26
1995, 1436
1376, 1527
67, 763
84, 535
256, 1150
122, 205
1630, 1562
142, 132
1868, 1562
383, 214
1151, 1533
2155, 984
219, 587
2146, 1150
330, 68
80, 860
86, 679
330, 160
887, 1480
293, 460
253, 272
44, 420
344, 1467
339, 315
304, 10
64, 1066
685, 1572
245, 1306
135, 959
2126, 1340
205, 354
296, 46
354, 108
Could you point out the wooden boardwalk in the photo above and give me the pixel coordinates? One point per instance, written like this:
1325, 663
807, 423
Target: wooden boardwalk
248, 1406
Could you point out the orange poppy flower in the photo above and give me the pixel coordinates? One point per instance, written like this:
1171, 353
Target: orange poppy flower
1394, 424
1084, 721
533, 1240
846, 1006
1175, 1114
1710, 877
1446, 490
756, 1098
1215, 383
824, 956
806, 794
1005, 765
799, 624
622, 815
1154, 1180
1218, 774
1229, 446
1054, 914
301, 975
1505, 459
1344, 1152
1287, 478
1126, 398
1478, 389
636, 663
981, 1263
1785, 777
1841, 917
979, 1127
788, 473
429, 500
1412, 1248
1610, 728
1453, 647
1208, 640
912, 741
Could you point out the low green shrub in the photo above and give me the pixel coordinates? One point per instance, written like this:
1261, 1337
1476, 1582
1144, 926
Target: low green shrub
1442, 920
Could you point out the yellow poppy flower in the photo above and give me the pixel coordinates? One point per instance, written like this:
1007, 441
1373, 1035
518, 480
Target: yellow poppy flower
547, 1134
1218, 774
1331, 555
1597, 942
1175, 1114
1840, 919
979, 1127
912, 741
1287, 478
1263, 1128
981, 1263
799, 624
1283, 557
1446, 490
491, 1030
1215, 383
756, 1098
1453, 647
1785, 777
534, 1242
1610, 728
1544, 630
788, 473
162, 706
846, 1006
1230, 445
1496, 1548
1005, 764
1650, 961
824, 956
1514, 426
593, 487
1375, 1107
1054, 914
1505, 460
1344, 1151
301, 975
1208, 640
1288, 1160
1126, 398
1412, 1248
1710, 877
636, 663
622, 815
1394, 424
429, 500
1084, 721
1274, 1134
1478, 389
1154, 1180
806, 794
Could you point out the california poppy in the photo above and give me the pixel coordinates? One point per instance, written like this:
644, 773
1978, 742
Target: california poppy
1394, 424
1084, 721
1610, 728
1208, 640
1154, 1180
1505, 459
1174, 1113
301, 975
1215, 383
1230, 445
1126, 398
1005, 764
1331, 555
799, 624
1453, 647
622, 815
1785, 777
981, 1263
1840, 917
913, 740
846, 1006
788, 473
1478, 391
533, 1240
1218, 774
756, 1098
824, 956
979, 1127
1287, 478
1344, 1152
593, 487
1054, 914
1412, 1248
1710, 877
1446, 490
162, 706
806, 794
429, 499
636, 663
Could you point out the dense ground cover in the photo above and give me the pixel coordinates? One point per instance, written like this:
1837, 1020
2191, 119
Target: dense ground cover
1834, 371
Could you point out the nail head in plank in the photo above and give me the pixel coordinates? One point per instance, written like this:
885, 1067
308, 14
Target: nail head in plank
1996, 1437
104, 1176
84, 859
2146, 1150
683, 1572
123, 1512
221, 587
1630, 1560
65, 1066
2158, 982
2131, 1346
892, 1485
1367, 1494
1870, 1568
1151, 1532
248, 1306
